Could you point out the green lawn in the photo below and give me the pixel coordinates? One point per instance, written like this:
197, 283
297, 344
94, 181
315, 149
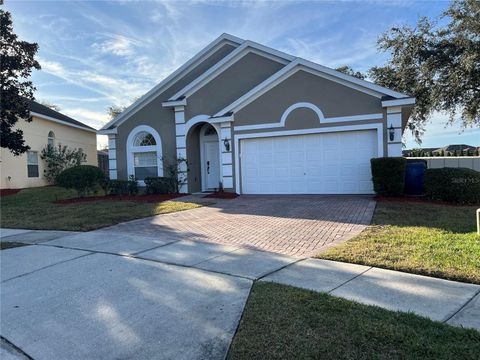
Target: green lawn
283, 322
34, 209
430, 239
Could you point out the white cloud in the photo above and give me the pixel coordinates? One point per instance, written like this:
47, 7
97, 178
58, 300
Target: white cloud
92, 118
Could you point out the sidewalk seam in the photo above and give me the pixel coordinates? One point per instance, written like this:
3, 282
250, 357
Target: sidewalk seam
346, 282
463, 306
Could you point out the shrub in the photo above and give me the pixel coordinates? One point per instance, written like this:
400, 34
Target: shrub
388, 175
58, 158
123, 187
160, 185
118, 187
456, 185
83, 178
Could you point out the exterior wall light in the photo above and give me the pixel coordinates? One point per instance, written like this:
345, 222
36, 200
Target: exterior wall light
226, 143
391, 132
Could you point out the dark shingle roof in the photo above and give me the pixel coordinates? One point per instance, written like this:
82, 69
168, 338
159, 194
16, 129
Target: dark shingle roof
45, 110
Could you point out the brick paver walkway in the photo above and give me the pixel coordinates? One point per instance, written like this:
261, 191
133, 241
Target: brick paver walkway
293, 225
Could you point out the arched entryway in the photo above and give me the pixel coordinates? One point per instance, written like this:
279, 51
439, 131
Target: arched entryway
203, 154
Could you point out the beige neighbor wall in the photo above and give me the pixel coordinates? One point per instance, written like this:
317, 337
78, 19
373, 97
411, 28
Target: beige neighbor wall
36, 136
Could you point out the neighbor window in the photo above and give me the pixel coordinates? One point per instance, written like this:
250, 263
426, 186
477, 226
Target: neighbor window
32, 164
51, 138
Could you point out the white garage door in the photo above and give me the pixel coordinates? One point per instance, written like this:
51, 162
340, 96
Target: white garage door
329, 163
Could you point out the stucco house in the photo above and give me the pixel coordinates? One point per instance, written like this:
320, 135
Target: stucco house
47, 127
259, 121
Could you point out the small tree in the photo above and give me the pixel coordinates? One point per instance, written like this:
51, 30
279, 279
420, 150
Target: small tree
174, 171
58, 158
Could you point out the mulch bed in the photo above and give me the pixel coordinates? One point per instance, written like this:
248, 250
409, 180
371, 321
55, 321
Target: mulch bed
6, 192
221, 195
153, 198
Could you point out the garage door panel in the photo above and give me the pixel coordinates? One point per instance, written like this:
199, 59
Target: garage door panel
331, 163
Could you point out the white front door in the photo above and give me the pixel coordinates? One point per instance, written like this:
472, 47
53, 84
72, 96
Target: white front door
211, 165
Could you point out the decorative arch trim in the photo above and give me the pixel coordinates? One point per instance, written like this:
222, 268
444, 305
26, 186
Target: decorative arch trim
131, 149
300, 105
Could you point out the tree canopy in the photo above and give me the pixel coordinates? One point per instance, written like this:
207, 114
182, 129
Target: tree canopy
439, 65
18, 60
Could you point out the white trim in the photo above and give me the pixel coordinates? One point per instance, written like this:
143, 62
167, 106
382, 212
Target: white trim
280, 124
107, 131
221, 119
237, 138
131, 149
177, 74
194, 121
316, 69
174, 103
399, 102
45, 117
246, 48
300, 105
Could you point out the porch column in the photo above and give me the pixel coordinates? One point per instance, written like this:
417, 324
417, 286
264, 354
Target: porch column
394, 121
226, 159
180, 140
112, 156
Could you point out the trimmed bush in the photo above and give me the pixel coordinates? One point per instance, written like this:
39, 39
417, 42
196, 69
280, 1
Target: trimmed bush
160, 185
456, 185
123, 187
83, 178
388, 175
118, 187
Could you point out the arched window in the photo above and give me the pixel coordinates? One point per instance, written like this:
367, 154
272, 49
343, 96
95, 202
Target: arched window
144, 138
51, 138
144, 153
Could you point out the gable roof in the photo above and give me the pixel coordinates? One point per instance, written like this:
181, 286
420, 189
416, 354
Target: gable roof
232, 58
301, 64
169, 80
294, 64
47, 113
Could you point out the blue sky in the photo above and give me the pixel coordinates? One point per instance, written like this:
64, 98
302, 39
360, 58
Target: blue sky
97, 53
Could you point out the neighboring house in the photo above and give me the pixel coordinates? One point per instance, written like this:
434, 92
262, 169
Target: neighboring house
47, 127
449, 150
102, 156
260, 122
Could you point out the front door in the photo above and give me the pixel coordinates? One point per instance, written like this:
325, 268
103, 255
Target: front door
211, 165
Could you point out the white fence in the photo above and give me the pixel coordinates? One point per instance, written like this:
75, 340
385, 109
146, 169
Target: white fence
436, 162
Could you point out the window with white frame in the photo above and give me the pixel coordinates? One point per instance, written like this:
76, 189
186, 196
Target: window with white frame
51, 138
32, 164
146, 154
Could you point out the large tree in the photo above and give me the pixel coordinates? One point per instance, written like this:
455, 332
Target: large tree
438, 65
17, 60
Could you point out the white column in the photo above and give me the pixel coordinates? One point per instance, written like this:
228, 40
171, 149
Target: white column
394, 120
112, 157
226, 160
180, 140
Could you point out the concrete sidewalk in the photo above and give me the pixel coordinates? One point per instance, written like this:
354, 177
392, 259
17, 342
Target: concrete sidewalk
447, 301
110, 294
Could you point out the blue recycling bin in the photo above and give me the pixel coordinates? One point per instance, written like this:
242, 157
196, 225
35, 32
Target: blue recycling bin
414, 176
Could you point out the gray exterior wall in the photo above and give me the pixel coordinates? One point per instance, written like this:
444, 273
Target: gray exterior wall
332, 98
160, 118
227, 87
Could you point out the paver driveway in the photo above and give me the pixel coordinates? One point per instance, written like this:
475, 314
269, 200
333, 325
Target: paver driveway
292, 225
